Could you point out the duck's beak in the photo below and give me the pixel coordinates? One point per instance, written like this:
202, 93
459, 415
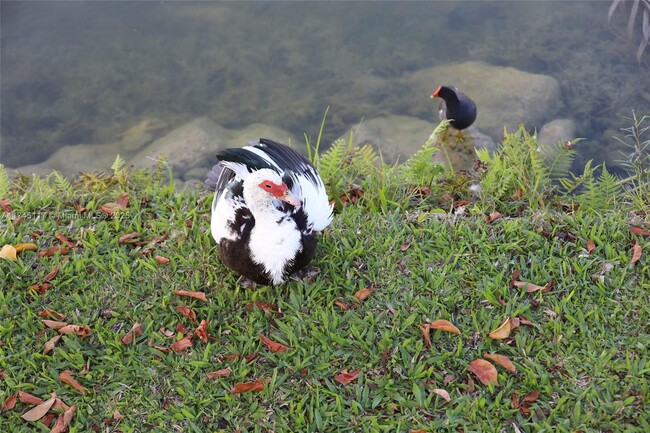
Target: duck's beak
291, 198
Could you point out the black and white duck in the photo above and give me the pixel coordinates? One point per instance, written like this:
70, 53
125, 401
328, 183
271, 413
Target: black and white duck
269, 205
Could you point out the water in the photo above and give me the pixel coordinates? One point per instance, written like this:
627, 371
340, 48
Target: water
85, 72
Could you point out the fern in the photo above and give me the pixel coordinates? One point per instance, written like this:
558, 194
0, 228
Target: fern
120, 172
516, 170
4, 181
602, 193
61, 184
420, 169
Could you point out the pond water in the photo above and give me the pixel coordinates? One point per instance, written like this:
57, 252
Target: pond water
85, 72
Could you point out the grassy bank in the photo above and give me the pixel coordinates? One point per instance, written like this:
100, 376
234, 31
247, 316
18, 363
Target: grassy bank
340, 358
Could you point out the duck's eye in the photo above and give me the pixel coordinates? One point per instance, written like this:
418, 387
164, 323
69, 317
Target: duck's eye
267, 185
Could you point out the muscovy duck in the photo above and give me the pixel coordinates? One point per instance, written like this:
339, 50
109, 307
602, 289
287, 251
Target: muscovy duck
269, 204
457, 107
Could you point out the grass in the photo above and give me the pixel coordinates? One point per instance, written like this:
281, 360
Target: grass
585, 352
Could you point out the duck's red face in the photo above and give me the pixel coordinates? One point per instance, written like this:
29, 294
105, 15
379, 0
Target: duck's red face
281, 192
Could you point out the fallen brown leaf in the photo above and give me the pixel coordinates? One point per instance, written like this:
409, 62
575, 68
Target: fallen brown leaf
363, 294
529, 287
639, 231
225, 372
442, 393
63, 421
51, 343
256, 386
273, 346
196, 295
6, 207
502, 331
502, 360
80, 330
134, 332
53, 250
161, 260
53, 273
129, 238
39, 411
342, 305
53, 324
485, 371
8, 252
187, 312
64, 240
265, 306
426, 333
123, 201
182, 344
66, 377
8, 404
444, 325
493, 217
591, 245
636, 252
29, 246
25, 397
201, 332
345, 377
531, 397
405, 246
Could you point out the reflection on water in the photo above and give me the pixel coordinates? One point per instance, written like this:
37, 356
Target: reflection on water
86, 72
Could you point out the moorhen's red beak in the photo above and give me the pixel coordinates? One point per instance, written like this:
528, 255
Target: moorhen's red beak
435, 94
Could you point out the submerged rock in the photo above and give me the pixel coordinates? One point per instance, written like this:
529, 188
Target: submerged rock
188, 148
396, 138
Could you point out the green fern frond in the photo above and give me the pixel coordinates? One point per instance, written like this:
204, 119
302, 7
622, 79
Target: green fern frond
4, 181
61, 184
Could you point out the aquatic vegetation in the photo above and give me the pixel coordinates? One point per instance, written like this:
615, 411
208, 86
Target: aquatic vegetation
639, 7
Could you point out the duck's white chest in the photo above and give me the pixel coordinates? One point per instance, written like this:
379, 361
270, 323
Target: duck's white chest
275, 244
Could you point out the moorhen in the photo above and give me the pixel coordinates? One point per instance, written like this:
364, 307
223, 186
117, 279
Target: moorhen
456, 107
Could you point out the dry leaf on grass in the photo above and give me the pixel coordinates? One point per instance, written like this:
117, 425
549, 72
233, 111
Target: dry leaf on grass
639, 231
345, 377
502, 331
134, 332
53, 324
442, 393
225, 372
363, 294
502, 360
196, 295
66, 377
493, 217
80, 330
426, 333
29, 246
51, 343
5, 205
264, 306
25, 397
201, 331
39, 411
187, 312
51, 275
8, 404
182, 344
161, 260
256, 386
64, 240
636, 252
63, 421
444, 325
342, 305
590, 246
484, 370
51, 314
8, 252
129, 238
53, 250
273, 346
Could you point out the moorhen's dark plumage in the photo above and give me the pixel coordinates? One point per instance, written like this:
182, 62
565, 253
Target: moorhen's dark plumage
269, 204
456, 107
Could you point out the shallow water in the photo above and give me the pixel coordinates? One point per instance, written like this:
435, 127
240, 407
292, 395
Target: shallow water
85, 72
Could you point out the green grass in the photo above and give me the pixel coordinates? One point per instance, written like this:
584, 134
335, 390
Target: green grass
586, 353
